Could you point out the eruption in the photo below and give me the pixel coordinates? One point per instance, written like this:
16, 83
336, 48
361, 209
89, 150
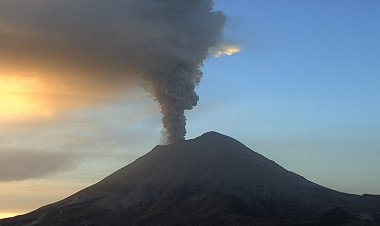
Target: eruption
175, 93
107, 46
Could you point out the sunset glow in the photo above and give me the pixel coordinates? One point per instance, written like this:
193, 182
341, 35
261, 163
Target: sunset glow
18, 98
6, 215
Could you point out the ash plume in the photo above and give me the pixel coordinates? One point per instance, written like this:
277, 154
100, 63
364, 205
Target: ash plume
108, 46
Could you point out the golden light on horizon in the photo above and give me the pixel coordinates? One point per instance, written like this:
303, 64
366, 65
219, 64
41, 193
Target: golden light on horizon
7, 215
18, 98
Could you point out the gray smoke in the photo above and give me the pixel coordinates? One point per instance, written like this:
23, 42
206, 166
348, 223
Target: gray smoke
106, 46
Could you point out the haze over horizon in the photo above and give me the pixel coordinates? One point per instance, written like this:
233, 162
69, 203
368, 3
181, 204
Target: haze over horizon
303, 92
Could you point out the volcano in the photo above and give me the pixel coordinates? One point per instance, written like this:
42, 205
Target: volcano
209, 180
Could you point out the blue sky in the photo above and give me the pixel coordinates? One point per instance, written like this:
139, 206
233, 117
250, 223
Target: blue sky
305, 89
303, 92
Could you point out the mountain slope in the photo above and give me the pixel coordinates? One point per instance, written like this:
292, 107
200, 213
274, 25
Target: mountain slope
212, 179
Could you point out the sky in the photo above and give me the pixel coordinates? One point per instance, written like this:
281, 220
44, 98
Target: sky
303, 91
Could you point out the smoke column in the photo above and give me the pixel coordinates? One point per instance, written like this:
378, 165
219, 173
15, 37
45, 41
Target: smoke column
107, 46
197, 29
175, 93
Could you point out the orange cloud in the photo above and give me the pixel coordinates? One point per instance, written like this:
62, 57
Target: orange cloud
17, 97
27, 95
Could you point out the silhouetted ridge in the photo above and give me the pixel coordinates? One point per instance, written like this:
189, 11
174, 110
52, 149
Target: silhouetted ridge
210, 180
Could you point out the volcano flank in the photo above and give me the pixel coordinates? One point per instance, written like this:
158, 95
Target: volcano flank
210, 180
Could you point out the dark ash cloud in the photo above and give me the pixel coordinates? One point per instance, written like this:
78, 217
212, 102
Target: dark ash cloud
98, 46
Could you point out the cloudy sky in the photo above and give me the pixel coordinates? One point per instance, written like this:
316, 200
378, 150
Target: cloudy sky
303, 91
